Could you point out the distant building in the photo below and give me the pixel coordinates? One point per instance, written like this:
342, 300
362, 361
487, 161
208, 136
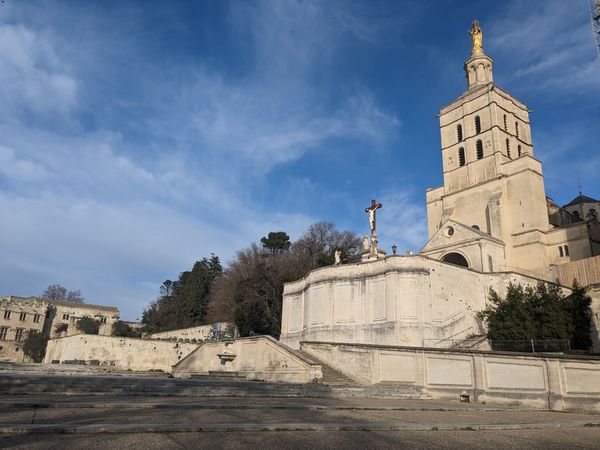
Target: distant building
20, 316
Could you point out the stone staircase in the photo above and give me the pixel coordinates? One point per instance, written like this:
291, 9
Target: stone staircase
204, 386
331, 376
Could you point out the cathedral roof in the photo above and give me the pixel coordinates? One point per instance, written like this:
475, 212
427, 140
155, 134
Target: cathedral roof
581, 199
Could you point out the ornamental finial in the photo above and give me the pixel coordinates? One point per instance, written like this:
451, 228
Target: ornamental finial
477, 38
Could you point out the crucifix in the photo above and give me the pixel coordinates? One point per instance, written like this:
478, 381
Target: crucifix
371, 210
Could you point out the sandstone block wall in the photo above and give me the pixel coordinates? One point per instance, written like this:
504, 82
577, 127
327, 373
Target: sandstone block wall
122, 353
399, 300
202, 332
540, 381
254, 358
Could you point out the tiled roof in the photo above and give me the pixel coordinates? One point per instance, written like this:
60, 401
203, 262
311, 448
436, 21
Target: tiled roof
581, 199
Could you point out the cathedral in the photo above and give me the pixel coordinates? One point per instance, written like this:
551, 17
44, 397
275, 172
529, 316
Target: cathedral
492, 213
489, 224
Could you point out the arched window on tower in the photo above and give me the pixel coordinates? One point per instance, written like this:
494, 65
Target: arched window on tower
461, 156
508, 148
477, 125
505, 123
479, 147
519, 150
560, 251
566, 250
517, 128
459, 134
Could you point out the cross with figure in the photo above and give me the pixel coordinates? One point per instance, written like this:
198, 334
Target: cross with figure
371, 210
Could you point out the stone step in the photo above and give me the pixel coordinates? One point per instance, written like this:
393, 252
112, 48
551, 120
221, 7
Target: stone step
330, 375
19, 384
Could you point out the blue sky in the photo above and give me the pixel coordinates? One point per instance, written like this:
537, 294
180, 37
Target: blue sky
138, 137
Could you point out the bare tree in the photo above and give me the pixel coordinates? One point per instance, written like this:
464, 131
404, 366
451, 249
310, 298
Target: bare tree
58, 292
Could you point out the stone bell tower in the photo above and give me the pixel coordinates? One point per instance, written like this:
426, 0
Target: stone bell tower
492, 183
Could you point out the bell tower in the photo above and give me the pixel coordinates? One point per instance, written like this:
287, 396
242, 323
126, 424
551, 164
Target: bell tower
492, 182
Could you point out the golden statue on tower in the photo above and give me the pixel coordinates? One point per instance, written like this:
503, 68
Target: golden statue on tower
477, 38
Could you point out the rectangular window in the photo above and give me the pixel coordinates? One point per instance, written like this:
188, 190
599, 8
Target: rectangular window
19, 334
3, 333
65, 317
103, 320
560, 251
7, 314
36, 318
22, 317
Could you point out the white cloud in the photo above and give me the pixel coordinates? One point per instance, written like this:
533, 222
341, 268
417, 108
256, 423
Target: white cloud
92, 208
32, 76
402, 221
546, 45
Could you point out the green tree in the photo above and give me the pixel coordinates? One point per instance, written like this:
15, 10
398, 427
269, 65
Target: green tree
276, 241
121, 329
35, 346
577, 305
540, 313
183, 303
88, 325
250, 290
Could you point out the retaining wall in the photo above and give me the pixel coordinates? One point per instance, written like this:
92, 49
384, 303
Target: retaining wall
253, 358
546, 382
118, 352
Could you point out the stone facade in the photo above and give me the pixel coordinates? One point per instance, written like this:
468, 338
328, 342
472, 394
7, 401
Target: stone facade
19, 316
69, 313
492, 213
398, 300
118, 352
254, 358
214, 331
545, 382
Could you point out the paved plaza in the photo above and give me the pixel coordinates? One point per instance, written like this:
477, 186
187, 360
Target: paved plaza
105, 421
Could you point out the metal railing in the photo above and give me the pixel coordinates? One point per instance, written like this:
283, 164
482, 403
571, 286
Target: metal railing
523, 345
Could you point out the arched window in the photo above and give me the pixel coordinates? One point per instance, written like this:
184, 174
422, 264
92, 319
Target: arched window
505, 123
560, 251
456, 259
475, 227
477, 125
479, 148
461, 156
566, 250
517, 128
459, 134
508, 147
519, 150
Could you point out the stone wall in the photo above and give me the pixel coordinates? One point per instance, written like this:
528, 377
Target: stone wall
202, 332
119, 352
557, 383
253, 358
398, 300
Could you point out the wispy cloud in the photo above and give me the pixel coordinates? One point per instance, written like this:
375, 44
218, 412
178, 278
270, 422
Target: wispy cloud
403, 222
114, 186
547, 46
